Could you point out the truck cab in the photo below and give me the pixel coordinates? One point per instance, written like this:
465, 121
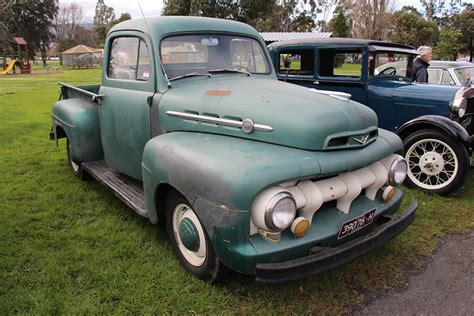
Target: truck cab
191, 127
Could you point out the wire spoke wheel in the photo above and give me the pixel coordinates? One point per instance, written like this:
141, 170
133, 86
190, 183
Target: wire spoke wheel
437, 163
433, 163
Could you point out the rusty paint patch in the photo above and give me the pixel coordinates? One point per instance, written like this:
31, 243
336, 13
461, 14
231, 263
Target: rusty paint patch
218, 93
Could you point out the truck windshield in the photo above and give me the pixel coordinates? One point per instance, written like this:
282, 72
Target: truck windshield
216, 54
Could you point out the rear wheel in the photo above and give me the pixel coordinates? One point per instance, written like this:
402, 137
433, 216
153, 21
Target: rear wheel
437, 163
75, 166
189, 239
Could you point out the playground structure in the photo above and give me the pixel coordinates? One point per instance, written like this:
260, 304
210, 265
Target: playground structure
20, 58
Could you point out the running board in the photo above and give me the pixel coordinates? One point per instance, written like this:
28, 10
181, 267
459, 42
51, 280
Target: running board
129, 190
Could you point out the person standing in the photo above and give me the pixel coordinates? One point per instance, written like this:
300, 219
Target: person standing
421, 63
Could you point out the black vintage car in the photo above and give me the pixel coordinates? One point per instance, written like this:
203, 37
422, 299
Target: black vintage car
434, 121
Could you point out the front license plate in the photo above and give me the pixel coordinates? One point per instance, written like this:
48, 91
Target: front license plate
356, 224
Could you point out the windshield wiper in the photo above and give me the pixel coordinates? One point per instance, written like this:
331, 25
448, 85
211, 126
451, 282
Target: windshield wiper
229, 71
192, 74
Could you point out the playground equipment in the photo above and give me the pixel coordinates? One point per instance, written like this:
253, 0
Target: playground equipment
19, 58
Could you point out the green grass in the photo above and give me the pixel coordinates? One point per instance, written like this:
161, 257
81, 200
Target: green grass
348, 70
68, 246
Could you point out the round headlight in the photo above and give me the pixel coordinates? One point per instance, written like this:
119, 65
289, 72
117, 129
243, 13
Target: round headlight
280, 211
459, 106
397, 171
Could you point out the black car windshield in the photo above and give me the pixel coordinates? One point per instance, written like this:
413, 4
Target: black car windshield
389, 64
217, 54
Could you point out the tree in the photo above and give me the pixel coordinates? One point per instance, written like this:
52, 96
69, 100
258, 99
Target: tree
371, 18
449, 44
264, 15
437, 9
412, 29
103, 16
339, 24
465, 23
32, 20
123, 17
67, 20
5, 36
326, 7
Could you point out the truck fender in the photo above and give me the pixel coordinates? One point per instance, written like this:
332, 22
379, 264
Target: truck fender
78, 120
452, 128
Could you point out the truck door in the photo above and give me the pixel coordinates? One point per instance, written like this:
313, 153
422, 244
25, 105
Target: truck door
124, 113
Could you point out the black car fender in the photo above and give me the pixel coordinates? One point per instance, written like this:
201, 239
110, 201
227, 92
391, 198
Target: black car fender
452, 128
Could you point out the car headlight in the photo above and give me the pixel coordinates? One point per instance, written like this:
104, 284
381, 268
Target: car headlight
280, 211
459, 105
397, 171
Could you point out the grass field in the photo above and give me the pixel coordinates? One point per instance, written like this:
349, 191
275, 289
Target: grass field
71, 247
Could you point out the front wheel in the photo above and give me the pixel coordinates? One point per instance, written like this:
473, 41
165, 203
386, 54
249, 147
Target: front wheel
189, 239
437, 163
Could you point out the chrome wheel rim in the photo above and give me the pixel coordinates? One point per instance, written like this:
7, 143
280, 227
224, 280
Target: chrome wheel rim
180, 213
432, 164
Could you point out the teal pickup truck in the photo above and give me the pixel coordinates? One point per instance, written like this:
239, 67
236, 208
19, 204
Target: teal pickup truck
191, 127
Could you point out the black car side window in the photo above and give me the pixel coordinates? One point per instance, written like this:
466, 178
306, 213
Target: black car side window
299, 62
339, 63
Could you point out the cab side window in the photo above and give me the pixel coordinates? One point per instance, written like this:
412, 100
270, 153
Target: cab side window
129, 59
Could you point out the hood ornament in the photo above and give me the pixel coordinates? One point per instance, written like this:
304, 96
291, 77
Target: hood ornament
362, 140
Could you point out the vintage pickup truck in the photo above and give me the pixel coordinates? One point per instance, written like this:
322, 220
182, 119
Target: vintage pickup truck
435, 122
191, 127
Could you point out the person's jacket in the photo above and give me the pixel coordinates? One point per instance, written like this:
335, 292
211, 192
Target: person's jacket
419, 71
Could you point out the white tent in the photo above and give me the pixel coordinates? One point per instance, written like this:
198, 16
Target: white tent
82, 56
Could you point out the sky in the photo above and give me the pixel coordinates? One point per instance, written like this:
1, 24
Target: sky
150, 7
154, 7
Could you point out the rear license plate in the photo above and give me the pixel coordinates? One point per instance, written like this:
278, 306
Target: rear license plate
356, 224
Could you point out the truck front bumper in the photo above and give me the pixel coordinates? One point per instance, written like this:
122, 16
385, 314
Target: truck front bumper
323, 259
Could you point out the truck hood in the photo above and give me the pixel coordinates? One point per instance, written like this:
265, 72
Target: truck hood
294, 116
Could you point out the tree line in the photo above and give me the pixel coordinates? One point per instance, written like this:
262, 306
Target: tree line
43, 22
448, 26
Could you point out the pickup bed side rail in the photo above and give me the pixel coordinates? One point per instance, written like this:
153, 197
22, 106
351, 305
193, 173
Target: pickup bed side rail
94, 96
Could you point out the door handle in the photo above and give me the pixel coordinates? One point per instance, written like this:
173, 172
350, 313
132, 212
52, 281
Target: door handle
316, 82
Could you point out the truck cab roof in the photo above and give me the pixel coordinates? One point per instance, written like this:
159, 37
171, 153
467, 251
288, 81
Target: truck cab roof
161, 26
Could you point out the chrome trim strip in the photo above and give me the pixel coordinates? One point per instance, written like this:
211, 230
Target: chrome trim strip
216, 120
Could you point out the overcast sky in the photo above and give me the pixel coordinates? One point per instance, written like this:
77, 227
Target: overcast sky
154, 7
150, 7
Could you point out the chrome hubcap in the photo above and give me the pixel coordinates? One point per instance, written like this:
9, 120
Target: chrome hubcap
189, 235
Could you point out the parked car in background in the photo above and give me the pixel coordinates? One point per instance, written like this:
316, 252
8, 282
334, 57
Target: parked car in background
453, 73
434, 121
